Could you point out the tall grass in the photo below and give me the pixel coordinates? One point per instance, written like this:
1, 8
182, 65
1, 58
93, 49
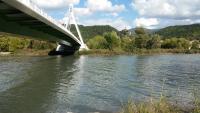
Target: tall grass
161, 105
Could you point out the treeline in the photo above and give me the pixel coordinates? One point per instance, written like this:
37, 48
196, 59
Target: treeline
10, 43
141, 40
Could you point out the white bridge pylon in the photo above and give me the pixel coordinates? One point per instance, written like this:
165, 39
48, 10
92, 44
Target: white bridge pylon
72, 20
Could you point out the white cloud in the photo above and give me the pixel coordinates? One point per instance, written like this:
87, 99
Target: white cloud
54, 4
91, 6
82, 11
104, 5
177, 9
168, 12
146, 22
94, 6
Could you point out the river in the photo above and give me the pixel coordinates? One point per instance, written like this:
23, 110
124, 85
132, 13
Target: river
94, 83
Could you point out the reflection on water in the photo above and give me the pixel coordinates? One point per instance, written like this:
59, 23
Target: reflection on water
88, 84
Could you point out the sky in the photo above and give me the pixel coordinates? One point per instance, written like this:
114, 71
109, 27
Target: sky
125, 14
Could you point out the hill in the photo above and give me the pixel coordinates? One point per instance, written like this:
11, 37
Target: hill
181, 31
149, 31
91, 31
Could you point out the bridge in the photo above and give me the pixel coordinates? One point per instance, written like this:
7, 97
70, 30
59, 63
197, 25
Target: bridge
23, 17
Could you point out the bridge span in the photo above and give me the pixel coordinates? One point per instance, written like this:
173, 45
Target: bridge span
23, 17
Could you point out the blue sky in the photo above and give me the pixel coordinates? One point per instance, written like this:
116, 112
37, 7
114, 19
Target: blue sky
123, 14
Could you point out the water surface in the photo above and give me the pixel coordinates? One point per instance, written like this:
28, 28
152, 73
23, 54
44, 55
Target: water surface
94, 83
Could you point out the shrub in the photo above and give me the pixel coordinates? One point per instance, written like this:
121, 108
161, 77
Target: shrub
195, 45
12, 44
141, 40
179, 43
127, 44
98, 42
4, 44
154, 42
113, 41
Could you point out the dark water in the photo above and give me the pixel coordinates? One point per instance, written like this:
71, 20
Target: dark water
88, 84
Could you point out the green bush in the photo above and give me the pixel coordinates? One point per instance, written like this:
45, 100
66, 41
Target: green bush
179, 43
141, 40
41, 45
12, 44
154, 42
128, 44
4, 44
195, 45
113, 40
98, 42
17, 43
140, 31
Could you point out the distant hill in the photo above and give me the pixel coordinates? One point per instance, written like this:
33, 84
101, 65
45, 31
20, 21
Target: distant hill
149, 31
91, 31
185, 31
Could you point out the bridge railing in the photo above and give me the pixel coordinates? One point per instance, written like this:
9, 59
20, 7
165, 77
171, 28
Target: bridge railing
34, 7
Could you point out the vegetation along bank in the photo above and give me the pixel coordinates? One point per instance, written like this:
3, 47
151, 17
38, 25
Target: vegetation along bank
105, 40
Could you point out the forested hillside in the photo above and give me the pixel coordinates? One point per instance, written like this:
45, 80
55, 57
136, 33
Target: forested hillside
184, 31
91, 31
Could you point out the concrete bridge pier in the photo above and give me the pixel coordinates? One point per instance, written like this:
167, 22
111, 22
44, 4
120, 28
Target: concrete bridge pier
63, 49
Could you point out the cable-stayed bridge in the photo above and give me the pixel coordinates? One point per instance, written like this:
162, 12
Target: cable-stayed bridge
23, 17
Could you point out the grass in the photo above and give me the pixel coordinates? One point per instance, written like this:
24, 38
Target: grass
161, 106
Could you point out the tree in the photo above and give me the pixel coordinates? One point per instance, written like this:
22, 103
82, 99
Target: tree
169, 43
11, 44
113, 41
141, 40
124, 33
154, 42
41, 45
4, 44
195, 45
127, 44
98, 42
17, 43
183, 43
176, 43
140, 31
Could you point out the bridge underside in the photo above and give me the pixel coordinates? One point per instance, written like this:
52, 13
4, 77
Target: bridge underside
16, 22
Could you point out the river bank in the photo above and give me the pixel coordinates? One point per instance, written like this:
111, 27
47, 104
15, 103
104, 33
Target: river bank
26, 52
106, 52
138, 52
